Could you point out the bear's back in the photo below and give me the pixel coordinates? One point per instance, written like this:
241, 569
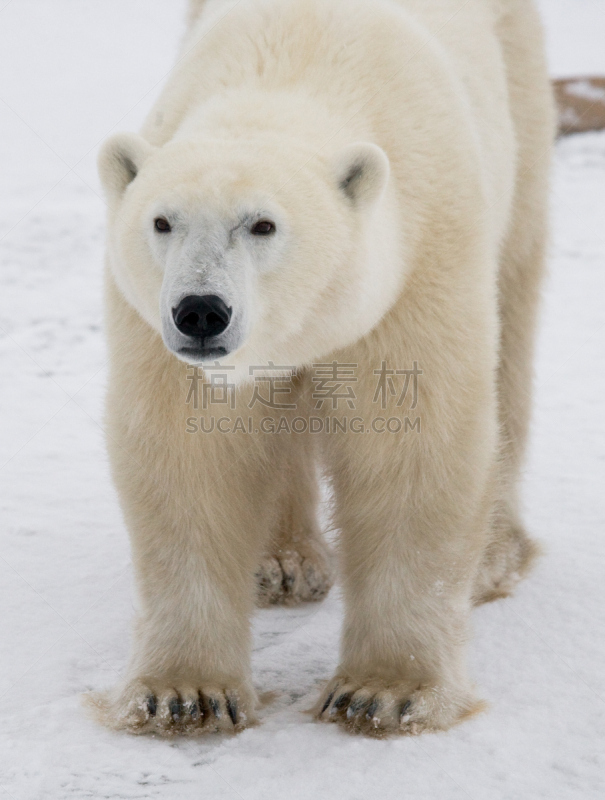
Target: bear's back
355, 56
407, 74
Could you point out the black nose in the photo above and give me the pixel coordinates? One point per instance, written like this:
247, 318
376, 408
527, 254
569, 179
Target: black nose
202, 316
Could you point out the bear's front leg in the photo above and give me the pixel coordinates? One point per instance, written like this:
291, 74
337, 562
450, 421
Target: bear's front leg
194, 556
198, 508
413, 513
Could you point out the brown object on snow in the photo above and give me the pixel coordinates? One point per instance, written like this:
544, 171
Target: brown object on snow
581, 103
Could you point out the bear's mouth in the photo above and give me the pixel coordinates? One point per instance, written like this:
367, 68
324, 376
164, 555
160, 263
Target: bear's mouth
203, 353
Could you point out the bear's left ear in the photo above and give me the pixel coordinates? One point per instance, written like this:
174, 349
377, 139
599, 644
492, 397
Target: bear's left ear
120, 159
362, 171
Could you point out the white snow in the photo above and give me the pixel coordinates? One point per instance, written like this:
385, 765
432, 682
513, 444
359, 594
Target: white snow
574, 31
72, 73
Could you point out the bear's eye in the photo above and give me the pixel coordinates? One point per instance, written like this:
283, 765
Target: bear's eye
263, 227
162, 225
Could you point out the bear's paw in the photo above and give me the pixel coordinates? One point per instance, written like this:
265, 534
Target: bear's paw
142, 707
289, 578
378, 710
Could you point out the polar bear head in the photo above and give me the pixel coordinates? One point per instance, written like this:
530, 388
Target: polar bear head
248, 250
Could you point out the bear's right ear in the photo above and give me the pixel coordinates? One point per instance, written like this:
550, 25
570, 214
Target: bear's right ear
120, 159
362, 171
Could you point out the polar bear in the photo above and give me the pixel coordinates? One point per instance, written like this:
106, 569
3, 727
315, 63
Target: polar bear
356, 186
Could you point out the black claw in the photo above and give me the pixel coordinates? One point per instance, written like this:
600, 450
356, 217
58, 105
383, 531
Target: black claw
372, 709
152, 705
342, 700
328, 701
356, 706
175, 709
202, 706
232, 709
214, 707
193, 710
405, 708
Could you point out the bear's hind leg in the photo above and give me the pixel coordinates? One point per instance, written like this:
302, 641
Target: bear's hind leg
510, 552
297, 566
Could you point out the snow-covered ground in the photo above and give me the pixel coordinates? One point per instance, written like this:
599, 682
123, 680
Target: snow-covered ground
72, 73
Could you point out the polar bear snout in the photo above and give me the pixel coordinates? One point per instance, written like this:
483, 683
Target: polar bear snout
201, 321
202, 316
